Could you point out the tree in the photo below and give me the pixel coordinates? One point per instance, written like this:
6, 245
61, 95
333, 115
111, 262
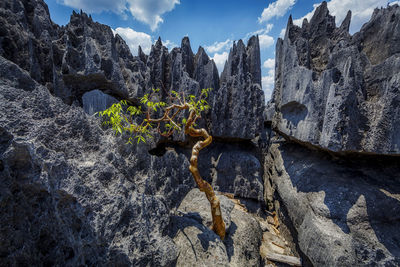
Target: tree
140, 125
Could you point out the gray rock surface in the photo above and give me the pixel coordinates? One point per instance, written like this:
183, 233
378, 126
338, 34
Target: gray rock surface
345, 209
338, 91
233, 168
337, 95
200, 246
85, 55
73, 194
71, 60
95, 101
240, 95
26, 37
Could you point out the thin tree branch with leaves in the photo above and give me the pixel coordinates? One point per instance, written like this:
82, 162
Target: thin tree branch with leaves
123, 118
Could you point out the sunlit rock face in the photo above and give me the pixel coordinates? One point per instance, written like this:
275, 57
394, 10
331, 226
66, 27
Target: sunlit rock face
240, 95
72, 193
338, 91
333, 160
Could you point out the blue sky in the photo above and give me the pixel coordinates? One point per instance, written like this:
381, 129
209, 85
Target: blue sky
213, 24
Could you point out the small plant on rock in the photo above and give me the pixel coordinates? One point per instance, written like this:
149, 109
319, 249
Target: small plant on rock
141, 121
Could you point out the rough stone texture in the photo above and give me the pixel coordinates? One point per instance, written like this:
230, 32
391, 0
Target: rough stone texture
71, 193
345, 209
240, 95
90, 199
85, 55
26, 35
200, 246
233, 168
337, 95
95, 101
338, 91
71, 60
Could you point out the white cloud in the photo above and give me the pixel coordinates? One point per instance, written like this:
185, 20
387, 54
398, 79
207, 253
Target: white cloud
282, 33
265, 41
276, 9
218, 46
220, 60
269, 63
150, 11
169, 44
361, 11
133, 39
265, 30
268, 84
146, 11
269, 27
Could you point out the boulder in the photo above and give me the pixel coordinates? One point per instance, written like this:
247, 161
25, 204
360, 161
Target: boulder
200, 246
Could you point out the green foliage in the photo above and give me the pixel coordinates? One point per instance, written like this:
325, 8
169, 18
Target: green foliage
122, 117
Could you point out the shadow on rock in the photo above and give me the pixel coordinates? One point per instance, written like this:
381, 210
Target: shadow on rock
356, 192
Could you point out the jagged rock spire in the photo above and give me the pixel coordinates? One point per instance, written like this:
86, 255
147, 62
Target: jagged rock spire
345, 26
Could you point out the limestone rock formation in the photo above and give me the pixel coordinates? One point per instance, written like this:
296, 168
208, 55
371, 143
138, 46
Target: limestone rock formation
71, 60
85, 55
72, 194
240, 95
200, 246
333, 159
337, 91
26, 37
345, 209
95, 101
220, 159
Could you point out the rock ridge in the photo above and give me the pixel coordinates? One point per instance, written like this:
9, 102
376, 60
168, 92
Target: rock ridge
338, 91
333, 154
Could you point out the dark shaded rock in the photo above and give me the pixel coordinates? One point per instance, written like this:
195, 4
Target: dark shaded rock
143, 57
379, 38
159, 64
345, 209
187, 56
205, 72
233, 168
337, 91
240, 95
53, 54
89, 199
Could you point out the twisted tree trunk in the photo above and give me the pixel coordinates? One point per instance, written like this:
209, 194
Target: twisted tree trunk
218, 224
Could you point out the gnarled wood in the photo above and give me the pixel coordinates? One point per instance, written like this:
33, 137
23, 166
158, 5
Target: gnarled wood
218, 224
170, 113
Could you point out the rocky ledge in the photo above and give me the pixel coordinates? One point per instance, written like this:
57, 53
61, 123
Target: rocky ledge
333, 157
